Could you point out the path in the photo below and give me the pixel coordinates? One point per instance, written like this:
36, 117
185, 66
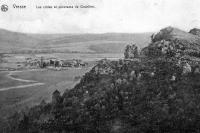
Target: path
33, 83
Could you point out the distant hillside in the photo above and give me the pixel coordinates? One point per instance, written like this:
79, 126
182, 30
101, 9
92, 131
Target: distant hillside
13, 42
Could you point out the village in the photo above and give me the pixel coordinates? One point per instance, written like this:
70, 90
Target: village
53, 63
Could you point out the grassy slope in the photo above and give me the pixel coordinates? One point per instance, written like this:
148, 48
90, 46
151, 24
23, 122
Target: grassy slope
7, 82
15, 99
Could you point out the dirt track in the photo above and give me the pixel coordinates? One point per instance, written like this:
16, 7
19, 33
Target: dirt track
32, 82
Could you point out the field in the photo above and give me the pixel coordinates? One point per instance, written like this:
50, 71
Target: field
5, 81
19, 98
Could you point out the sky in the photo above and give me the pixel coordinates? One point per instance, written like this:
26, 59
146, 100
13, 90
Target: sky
127, 16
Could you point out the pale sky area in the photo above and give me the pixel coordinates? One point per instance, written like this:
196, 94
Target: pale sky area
108, 16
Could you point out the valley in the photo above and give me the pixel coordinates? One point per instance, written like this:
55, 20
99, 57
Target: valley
23, 85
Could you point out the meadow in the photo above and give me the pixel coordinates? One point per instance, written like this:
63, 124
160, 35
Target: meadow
5, 81
16, 99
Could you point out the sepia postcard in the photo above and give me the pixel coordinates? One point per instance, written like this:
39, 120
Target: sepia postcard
99, 66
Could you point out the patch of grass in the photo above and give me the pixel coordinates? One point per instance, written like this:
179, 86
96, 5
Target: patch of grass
7, 82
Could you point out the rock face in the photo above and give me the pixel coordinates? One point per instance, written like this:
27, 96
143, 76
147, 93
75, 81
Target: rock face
186, 68
171, 33
131, 51
162, 34
174, 42
195, 31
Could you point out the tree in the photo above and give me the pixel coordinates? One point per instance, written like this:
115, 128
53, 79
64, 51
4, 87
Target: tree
24, 124
131, 51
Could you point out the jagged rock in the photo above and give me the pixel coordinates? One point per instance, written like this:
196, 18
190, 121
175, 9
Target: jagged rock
186, 68
196, 70
139, 75
131, 51
162, 47
103, 67
163, 34
152, 74
195, 31
173, 42
119, 81
135, 75
132, 75
171, 33
173, 78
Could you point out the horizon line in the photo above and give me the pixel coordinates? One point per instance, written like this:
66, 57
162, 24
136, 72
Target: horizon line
81, 33
97, 33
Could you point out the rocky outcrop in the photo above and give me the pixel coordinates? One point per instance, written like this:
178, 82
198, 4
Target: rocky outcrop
195, 31
174, 42
171, 33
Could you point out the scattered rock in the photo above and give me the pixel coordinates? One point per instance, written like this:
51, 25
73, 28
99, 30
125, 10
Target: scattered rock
196, 70
186, 68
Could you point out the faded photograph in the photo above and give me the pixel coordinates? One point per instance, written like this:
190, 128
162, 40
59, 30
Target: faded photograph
99, 66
